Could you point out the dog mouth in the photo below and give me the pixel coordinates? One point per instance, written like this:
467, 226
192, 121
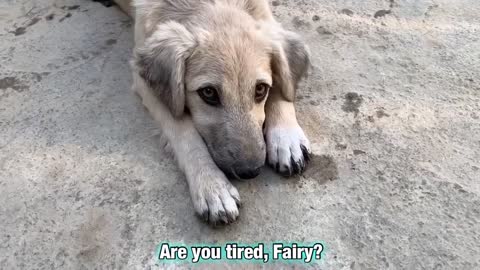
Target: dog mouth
234, 167
234, 174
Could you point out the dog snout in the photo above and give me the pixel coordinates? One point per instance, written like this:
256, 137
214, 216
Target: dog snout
247, 172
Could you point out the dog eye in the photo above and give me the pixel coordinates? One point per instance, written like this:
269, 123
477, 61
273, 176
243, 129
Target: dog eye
261, 91
209, 95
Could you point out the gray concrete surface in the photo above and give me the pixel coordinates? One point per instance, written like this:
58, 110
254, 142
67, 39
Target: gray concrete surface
392, 109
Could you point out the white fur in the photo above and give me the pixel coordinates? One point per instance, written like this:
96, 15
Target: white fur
283, 144
284, 137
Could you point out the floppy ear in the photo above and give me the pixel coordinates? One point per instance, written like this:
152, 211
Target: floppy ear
161, 63
290, 62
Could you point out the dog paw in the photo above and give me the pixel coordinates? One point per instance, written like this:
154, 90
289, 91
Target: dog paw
288, 150
215, 199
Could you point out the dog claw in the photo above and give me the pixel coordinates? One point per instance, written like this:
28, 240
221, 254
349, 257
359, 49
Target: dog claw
287, 150
205, 215
216, 201
231, 219
224, 219
305, 152
295, 166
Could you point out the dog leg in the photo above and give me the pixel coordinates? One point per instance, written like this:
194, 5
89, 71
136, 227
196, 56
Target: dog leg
214, 198
288, 149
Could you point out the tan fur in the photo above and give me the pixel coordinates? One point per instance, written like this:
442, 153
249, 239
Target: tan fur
233, 45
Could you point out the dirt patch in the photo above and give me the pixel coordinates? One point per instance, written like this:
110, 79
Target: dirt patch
23, 29
110, 42
50, 17
381, 13
33, 21
68, 15
346, 11
392, 3
323, 31
381, 113
357, 152
322, 168
70, 7
353, 101
340, 146
13, 83
19, 31
300, 23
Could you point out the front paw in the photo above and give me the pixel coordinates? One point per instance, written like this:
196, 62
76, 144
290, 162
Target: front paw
288, 150
215, 199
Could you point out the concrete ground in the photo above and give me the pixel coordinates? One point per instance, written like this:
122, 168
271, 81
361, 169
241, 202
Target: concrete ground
392, 108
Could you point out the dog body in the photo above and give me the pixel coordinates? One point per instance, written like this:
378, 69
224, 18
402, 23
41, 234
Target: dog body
219, 77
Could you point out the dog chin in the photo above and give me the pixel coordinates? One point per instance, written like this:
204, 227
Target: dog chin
232, 174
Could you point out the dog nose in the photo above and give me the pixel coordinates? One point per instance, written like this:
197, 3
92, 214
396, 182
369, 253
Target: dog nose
248, 173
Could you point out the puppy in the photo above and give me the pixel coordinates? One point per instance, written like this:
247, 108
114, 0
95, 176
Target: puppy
219, 77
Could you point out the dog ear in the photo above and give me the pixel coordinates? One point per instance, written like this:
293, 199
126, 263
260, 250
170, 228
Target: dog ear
161, 63
290, 62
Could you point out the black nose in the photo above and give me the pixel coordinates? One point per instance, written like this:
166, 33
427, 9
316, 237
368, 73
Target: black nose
248, 173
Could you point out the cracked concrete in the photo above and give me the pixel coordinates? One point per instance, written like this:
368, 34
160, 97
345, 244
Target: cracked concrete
392, 108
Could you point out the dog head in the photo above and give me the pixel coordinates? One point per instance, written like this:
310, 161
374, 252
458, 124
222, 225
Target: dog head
222, 77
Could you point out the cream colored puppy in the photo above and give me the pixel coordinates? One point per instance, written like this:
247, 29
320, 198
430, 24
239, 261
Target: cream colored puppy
219, 77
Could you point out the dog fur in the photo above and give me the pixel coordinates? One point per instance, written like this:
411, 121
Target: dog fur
234, 47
